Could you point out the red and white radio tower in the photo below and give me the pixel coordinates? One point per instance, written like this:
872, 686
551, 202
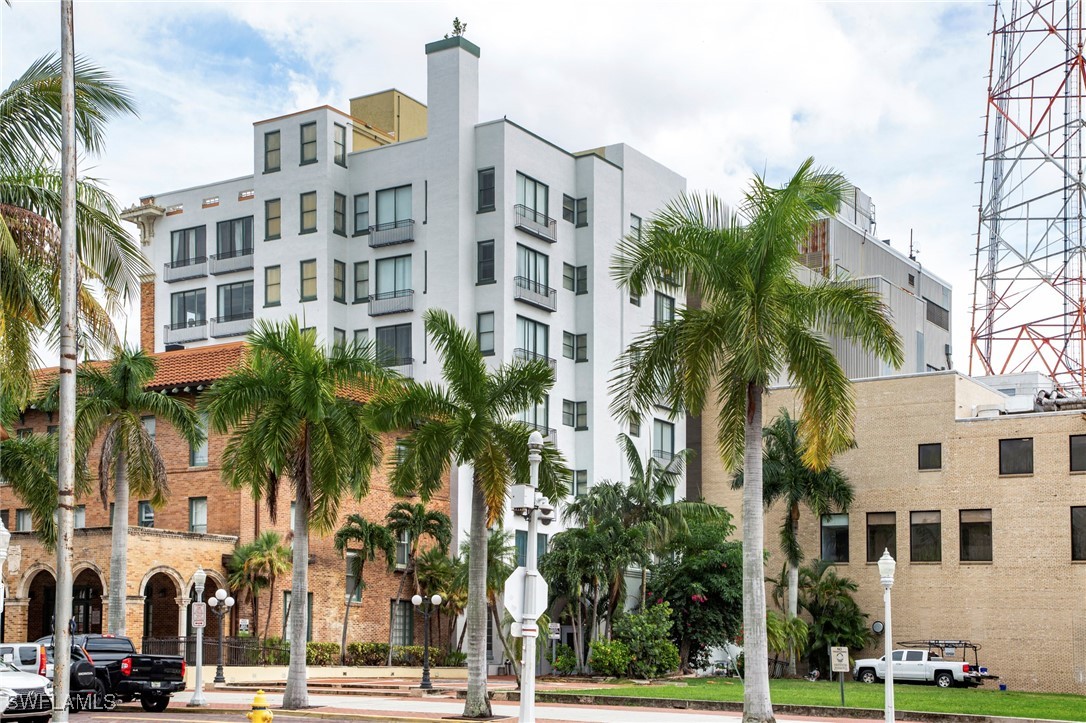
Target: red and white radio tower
1028, 305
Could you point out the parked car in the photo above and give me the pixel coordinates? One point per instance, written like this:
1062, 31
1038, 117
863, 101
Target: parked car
27, 657
918, 666
128, 675
38, 659
28, 695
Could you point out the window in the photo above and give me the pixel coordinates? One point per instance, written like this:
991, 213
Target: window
361, 336
309, 143
188, 308
403, 622
1016, 456
23, 521
580, 482
4, 518
234, 238
635, 227
1078, 533
149, 426
485, 262
538, 415
273, 216
198, 515
925, 536
568, 277
929, 456
663, 438
188, 245
881, 535
835, 538
236, 301
339, 214
394, 344
575, 346
339, 337
533, 336
532, 194
339, 144
486, 189
272, 145
80, 515
484, 332
569, 208
665, 309
198, 454
635, 299
534, 267
575, 278
403, 549
112, 506
393, 276
938, 315
575, 414
393, 206
272, 286
339, 281
582, 212
582, 280
146, 514
361, 281
635, 428
1077, 445
308, 615
361, 214
309, 279
293, 509
352, 590
308, 203
975, 535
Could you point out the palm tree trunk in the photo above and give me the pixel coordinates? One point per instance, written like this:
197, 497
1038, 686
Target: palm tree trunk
118, 556
477, 704
296, 693
343, 640
793, 610
757, 707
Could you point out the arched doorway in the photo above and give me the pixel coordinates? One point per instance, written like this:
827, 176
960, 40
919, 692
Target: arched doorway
42, 594
160, 609
87, 602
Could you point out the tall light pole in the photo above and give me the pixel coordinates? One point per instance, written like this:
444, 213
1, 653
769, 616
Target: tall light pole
529, 626
5, 540
886, 576
198, 581
426, 607
220, 605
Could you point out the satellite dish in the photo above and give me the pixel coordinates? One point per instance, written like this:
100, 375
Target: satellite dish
877, 627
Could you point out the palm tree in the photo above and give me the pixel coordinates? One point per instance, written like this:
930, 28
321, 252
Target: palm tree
290, 410
245, 578
836, 619
467, 422
112, 401
413, 522
269, 559
756, 321
436, 572
786, 477
364, 539
500, 554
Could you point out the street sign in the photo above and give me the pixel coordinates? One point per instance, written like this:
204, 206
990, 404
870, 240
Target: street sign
514, 595
555, 631
839, 660
199, 615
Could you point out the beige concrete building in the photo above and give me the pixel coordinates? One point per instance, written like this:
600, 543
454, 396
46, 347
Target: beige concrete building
984, 510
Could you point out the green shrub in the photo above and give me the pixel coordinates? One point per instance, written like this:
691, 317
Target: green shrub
276, 651
565, 660
321, 653
610, 658
647, 636
455, 658
367, 653
412, 655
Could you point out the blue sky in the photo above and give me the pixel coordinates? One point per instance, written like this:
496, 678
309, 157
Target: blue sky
892, 94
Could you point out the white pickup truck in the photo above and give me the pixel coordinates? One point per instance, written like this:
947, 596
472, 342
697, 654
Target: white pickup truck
919, 666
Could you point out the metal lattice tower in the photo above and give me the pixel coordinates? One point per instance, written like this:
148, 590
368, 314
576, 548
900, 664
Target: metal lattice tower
1028, 305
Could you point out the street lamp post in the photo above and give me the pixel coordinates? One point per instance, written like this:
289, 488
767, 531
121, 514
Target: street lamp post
5, 540
426, 607
198, 699
220, 605
886, 576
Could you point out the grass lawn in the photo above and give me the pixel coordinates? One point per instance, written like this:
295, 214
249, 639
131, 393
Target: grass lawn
986, 700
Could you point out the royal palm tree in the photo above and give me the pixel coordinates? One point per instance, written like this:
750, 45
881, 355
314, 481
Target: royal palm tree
756, 323
363, 539
270, 559
112, 400
786, 477
244, 577
468, 422
292, 408
411, 520
436, 572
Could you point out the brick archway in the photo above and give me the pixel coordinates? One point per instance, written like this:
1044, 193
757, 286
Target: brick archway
87, 594
160, 605
40, 589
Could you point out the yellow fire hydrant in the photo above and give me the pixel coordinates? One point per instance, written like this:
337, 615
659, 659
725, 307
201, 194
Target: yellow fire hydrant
260, 712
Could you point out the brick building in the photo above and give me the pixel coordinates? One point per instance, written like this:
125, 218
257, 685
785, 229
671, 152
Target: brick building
984, 510
201, 524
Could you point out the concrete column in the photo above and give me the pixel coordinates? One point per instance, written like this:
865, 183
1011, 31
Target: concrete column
182, 615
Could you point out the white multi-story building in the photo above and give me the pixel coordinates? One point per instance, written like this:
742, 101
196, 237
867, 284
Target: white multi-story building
431, 208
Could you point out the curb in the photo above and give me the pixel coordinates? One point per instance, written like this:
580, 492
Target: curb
319, 714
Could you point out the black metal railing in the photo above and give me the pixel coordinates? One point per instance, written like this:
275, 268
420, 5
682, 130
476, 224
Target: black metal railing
538, 224
393, 232
235, 651
534, 293
529, 355
663, 455
185, 269
392, 302
549, 433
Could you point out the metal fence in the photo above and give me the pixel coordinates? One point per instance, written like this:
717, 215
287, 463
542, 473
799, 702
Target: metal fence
235, 651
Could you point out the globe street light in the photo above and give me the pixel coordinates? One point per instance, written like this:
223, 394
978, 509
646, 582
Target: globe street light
886, 577
430, 605
220, 605
198, 580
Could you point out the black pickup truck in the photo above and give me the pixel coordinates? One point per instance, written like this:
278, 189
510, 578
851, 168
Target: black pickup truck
127, 675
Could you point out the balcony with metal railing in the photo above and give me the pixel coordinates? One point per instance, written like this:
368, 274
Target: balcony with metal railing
392, 302
549, 434
225, 263
535, 293
185, 331
537, 224
404, 366
231, 325
391, 233
663, 455
529, 355
192, 268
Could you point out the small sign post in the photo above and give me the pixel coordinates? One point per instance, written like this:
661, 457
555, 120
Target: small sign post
199, 615
839, 665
